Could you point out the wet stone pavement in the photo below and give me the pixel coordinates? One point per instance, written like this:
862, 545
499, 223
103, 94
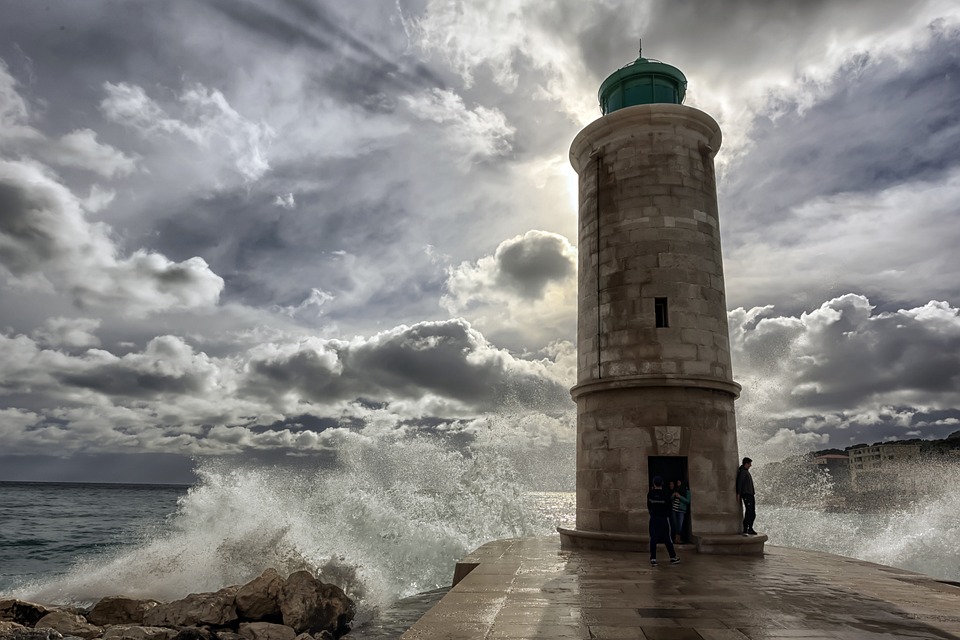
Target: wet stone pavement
530, 588
391, 623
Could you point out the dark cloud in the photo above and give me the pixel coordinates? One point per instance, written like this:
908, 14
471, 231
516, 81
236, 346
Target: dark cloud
353, 170
121, 381
43, 232
880, 124
844, 366
529, 263
525, 293
446, 359
366, 74
26, 218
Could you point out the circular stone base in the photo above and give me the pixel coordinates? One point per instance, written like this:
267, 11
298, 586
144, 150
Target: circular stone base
707, 544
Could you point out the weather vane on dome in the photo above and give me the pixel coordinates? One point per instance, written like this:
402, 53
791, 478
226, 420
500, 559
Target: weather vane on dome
640, 43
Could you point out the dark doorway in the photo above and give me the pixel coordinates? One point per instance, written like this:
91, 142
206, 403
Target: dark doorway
672, 468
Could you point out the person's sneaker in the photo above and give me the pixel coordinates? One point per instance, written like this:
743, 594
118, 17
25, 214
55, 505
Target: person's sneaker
653, 562
751, 532
745, 533
675, 560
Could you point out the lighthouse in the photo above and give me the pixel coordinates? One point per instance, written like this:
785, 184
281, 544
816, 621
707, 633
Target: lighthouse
655, 390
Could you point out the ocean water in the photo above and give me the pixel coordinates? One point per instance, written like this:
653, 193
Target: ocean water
45, 528
389, 523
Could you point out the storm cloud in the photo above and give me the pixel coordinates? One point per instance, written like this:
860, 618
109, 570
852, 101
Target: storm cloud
845, 367
244, 228
526, 288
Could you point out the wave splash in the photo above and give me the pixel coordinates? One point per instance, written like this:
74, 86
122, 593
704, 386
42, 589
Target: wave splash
390, 520
913, 525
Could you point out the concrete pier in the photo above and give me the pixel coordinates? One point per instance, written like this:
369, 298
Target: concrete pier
530, 588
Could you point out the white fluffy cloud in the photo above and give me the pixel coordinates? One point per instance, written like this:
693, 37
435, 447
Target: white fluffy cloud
82, 150
844, 366
48, 244
477, 133
205, 118
71, 333
447, 125
527, 289
79, 149
46, 240
502, 38
170, 397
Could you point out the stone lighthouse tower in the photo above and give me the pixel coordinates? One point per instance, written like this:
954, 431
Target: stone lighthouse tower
655, 390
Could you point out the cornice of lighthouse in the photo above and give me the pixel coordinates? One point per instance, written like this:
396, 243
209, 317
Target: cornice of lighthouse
671, 119
651, 381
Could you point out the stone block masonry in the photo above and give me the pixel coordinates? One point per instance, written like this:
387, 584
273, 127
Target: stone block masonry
654, 375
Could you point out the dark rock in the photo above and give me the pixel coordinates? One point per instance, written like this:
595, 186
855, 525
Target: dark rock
22, 612
195, 633
69, 624
259, 598
311, 606
31, 634
136, 632
266, 631
120, 610
215, 608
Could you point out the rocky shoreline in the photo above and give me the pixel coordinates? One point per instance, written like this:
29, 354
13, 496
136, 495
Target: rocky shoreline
269, 607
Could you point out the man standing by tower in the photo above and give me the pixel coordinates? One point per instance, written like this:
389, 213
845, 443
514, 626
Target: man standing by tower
745, 493
658, 504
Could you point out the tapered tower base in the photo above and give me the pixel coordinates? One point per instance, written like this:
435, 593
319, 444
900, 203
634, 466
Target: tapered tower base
712, 545
655, 391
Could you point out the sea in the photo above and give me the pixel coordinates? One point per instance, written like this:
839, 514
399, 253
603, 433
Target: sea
381, 540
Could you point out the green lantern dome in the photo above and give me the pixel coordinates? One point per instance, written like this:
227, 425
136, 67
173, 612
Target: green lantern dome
643, 81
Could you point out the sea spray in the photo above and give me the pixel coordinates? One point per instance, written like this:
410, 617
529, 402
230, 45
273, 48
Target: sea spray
389, 519
914, 524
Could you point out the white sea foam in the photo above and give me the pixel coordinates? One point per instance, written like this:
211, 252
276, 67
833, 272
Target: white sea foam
920, 535
396, 513
391, 520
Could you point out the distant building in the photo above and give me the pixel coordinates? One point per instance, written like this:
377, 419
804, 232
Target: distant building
837, 465
872, 465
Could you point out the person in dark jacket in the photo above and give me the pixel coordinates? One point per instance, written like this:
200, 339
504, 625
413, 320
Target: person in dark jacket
681, 502
745, 493
658, 504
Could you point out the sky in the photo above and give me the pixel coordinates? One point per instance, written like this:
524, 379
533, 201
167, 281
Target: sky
261, 230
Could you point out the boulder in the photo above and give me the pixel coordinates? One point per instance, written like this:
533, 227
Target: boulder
31, 634
304, 636
69, 624
195, 633
215, 608
135, 632
258, 599
120, 610
22, 612
266, 631
7, 625
228, 635
311, 606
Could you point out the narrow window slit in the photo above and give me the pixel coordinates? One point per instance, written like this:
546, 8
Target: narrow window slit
660, 312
